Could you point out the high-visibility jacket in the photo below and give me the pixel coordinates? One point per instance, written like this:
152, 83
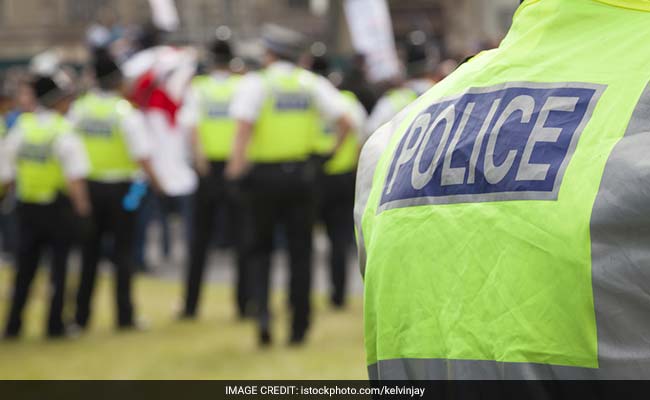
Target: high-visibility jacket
346, 158
504, 217
39, 176
100, 121
216, 128
3, 127
3, 132
401, 97
289, 123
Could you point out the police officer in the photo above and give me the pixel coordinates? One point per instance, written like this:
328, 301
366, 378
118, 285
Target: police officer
336, 187
114, 136
206, 112
420, 70
46, 164
279, 113
3, 191
5, 100
504, 215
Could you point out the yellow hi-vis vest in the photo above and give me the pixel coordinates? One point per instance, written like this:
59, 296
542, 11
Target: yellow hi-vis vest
401, 97
100, 127
289, 123
504, 217
345, 159
3, 132
39, 176
216, 129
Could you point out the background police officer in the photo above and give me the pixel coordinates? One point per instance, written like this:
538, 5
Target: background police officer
114, 136
44, 160
420, 70
5, 101
279, 113
206, 112
336, 186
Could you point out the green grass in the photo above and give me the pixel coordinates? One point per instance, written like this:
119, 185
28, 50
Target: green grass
216, 347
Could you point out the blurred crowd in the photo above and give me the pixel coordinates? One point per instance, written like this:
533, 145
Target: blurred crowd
251, 154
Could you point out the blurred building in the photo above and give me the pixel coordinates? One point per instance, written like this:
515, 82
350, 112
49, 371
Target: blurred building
30, 26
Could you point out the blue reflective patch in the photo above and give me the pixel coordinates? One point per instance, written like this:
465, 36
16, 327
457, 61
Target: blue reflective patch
292, 101
36, 153
510, 142
102, 128
217, 110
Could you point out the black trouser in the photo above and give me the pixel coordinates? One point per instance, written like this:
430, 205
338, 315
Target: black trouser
336, 203
7, 230
213, 200
281, 194
109, 217
41, 227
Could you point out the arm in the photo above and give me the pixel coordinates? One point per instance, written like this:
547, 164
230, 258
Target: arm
8, 155
74, 162
140, 147
343, 129
201, 162
148, 170
332, 106
78, 191
238, 163
245, 109
189, 117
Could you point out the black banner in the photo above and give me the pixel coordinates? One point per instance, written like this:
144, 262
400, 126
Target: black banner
199, 390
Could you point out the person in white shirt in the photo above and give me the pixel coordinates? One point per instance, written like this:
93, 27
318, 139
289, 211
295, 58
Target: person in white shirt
421, 78
206, 114
159, 77
46, 165
336, 188
118, 146
279, 113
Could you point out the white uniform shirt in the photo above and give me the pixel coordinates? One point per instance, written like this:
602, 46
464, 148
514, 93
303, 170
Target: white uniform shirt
133, 126
4, 167
68, 149
249, 100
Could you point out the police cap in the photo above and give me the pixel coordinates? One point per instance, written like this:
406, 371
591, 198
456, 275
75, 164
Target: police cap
282, 41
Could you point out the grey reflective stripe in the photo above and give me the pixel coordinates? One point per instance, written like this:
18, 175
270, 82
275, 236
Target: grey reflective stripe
620, 237
620, 240
436, 369
368, 160
370, 155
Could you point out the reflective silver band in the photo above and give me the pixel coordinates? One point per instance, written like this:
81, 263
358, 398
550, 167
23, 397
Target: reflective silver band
436, 369
371, 153
620, 242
